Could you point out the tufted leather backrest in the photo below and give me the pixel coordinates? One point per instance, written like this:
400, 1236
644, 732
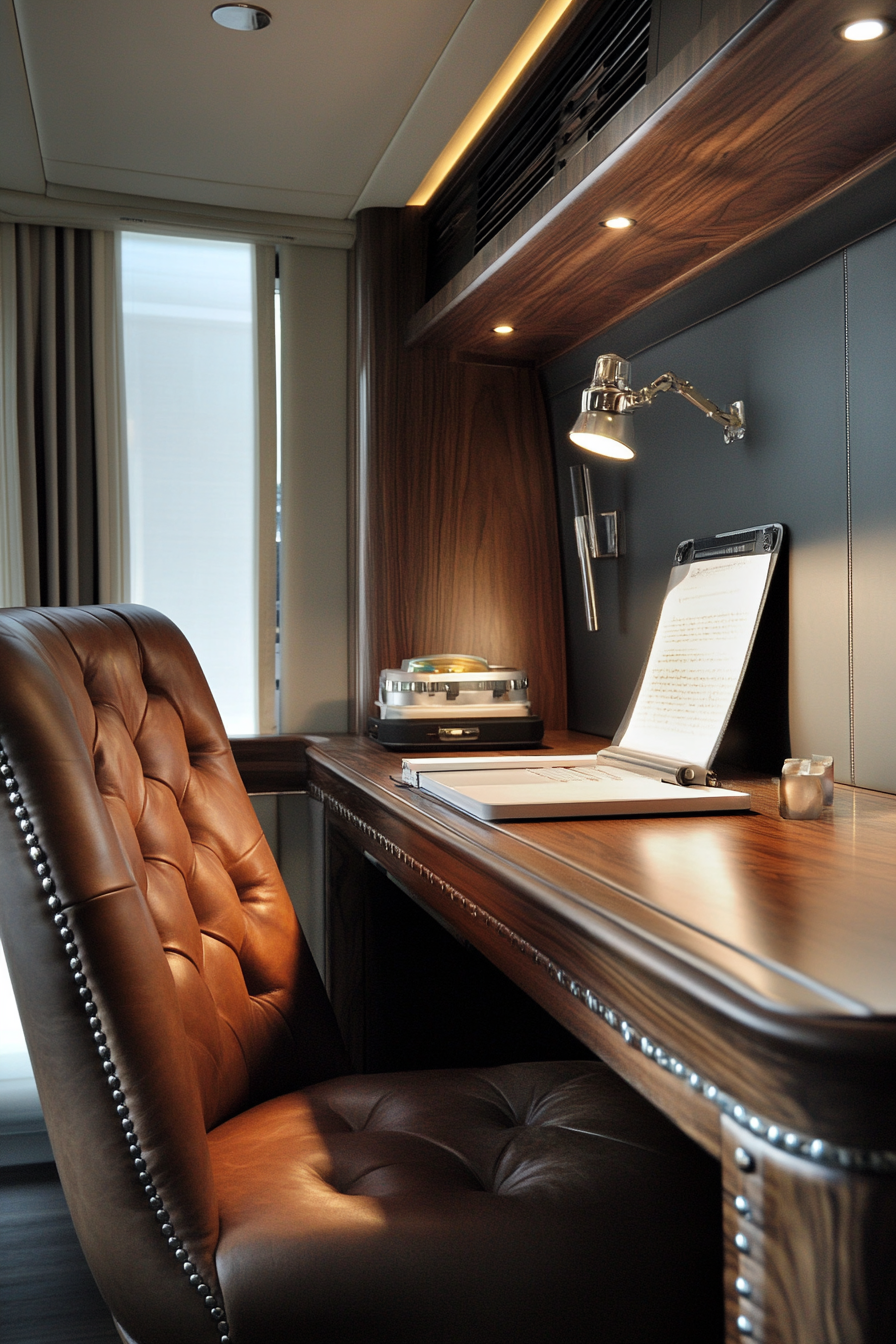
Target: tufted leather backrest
206, 991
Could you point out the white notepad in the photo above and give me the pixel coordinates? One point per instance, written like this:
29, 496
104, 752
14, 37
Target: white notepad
661, 756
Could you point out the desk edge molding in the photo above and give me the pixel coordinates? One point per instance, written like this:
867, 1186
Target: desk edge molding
819, 1152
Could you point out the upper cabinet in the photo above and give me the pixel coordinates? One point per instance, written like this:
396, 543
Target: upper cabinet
765, 113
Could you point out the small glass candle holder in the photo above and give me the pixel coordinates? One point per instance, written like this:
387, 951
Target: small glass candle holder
828, 763
801, 790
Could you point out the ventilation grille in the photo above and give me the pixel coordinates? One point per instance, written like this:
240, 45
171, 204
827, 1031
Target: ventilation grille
572, 101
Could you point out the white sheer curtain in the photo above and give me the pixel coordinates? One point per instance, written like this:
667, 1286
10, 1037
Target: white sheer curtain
314, 617
201, 432
266, 483
113, 561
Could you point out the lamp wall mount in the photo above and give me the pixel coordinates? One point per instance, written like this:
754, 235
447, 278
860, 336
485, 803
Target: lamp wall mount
732, 420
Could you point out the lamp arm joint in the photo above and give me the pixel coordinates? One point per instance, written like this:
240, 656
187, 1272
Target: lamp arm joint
731, 420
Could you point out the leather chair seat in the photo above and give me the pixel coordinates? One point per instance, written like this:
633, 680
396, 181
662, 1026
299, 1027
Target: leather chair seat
522, 1203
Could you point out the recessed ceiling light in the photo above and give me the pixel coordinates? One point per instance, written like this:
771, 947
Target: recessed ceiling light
244, 18
617, 222
504, 329
865, 30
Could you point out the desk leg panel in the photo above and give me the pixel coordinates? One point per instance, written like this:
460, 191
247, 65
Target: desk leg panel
345, 929
809, 1252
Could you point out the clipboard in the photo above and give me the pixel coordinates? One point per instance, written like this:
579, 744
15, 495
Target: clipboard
661, 756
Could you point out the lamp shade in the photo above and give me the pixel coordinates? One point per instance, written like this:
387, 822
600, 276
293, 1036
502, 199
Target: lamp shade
611, 434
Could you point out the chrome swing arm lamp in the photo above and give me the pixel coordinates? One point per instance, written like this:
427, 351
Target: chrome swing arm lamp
604, 425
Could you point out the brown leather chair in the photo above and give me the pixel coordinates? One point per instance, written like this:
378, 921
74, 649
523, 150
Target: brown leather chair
228, 1177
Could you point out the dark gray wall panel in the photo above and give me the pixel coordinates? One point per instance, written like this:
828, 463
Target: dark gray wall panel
872, 349
782, 352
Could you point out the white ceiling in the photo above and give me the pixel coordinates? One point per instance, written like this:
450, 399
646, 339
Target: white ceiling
338, 105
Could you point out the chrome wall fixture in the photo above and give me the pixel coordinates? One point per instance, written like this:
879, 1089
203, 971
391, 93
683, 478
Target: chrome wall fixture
599, 536
605, 423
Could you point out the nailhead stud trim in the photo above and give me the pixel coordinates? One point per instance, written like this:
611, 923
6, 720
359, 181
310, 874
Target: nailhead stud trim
818, 1151
41, 866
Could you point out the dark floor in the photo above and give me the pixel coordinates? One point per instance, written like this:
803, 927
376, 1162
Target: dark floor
47, 1295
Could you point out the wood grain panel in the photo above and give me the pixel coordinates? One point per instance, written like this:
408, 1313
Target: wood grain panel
744, 1261
454, 499
762, 116
271, 763
819, 1263
798, 1063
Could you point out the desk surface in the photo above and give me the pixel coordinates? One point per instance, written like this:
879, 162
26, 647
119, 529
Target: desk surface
777, 938
740, 971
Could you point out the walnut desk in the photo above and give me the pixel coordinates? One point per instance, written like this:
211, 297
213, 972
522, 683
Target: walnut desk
740, 971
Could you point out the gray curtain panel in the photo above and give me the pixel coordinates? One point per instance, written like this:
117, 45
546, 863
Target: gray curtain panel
57, 460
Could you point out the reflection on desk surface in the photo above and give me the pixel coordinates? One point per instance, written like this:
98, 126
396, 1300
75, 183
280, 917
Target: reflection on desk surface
799, 914
813, 903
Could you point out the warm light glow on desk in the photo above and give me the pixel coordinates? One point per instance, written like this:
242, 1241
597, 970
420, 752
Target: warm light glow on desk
538, 31
504, 329
617, 222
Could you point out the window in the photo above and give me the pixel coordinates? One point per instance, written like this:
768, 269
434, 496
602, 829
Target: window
196, 477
